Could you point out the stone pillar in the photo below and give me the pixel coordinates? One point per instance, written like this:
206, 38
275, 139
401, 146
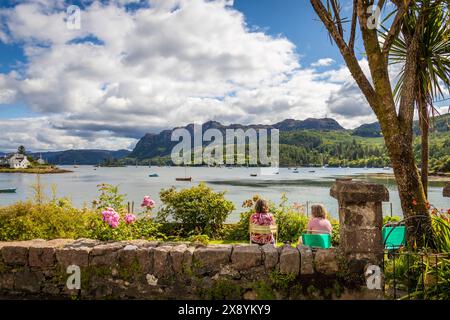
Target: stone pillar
446, 191
361, 220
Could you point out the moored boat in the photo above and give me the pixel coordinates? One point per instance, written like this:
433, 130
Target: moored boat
184, 179
8, 190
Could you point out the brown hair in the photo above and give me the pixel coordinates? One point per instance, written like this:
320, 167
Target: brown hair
261, 206
318, 211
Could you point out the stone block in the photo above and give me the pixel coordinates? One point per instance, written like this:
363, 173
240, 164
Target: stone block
161, 263
363, 240
446, 191
137, 258
361, 215
15, 254
28, 281
177, 257
67, 256
289, 260
326, 262
211, 258
271, 256
245, 257
355, 192
105, 254
306, 260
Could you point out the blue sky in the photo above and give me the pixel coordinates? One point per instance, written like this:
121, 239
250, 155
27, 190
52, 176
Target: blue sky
294, 19
138, 66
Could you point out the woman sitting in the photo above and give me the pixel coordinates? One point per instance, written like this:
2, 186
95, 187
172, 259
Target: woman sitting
262, 217
319, 223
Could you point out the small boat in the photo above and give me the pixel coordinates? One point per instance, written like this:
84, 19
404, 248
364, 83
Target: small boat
8, 190
153, 175
295, 171
253, 175
184, 179
312, 171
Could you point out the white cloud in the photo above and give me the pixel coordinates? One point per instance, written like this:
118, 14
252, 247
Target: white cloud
125, 73
325, 62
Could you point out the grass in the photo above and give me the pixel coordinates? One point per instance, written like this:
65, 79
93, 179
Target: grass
40, 170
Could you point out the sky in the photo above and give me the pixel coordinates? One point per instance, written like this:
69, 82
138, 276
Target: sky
138, 66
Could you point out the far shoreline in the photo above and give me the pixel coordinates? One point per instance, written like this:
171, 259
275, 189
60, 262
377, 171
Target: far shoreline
35, 170
432, 177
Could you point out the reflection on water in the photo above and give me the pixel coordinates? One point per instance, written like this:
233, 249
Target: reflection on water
308, 185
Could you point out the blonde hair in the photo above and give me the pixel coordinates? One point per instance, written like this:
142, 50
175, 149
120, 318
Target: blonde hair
318, 211
261, 206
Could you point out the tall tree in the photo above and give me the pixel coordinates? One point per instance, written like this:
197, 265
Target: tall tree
21, 150
433, 68
396, 122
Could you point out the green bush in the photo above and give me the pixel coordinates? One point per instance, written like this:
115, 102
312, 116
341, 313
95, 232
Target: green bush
389, 219
199, 209
50, 220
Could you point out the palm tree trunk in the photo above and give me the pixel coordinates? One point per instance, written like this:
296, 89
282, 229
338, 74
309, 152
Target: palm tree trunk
424, 127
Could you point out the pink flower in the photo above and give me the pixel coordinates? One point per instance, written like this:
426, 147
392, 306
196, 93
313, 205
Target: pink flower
111, 217
130, 218
148, 202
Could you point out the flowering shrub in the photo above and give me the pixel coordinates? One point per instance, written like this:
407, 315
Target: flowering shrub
130, 218
148, 203
111, 217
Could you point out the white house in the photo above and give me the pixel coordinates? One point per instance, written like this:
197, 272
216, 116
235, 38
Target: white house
18, 161
40, 160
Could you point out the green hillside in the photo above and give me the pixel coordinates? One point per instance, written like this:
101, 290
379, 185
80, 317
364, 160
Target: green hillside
332, 146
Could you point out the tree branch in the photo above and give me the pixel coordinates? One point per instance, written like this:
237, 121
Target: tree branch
395, 27
351, 41
337, 16
347, 54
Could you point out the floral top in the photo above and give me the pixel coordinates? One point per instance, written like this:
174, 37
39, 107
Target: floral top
262, 219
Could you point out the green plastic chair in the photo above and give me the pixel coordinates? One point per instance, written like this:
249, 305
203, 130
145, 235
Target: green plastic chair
322, 240
394, 237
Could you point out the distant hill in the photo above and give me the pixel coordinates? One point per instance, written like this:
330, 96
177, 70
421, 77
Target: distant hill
159, 145
80, 157
325, 124
372, 130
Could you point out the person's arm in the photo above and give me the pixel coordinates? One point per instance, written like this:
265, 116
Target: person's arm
330, 226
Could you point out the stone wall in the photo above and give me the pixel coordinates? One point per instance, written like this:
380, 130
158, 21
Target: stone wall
153, 270
446, 190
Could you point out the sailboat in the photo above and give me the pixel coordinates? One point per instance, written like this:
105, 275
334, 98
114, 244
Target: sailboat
75, 164
185, 177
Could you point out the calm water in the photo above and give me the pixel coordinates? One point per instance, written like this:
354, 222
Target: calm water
81, 185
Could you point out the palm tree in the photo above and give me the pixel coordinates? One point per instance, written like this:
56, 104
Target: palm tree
433, 66
395, 118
